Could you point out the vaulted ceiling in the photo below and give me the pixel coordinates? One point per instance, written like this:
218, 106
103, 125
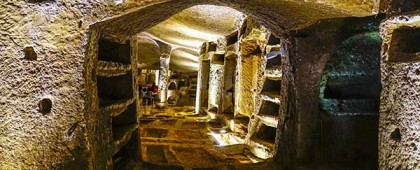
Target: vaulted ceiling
189, 29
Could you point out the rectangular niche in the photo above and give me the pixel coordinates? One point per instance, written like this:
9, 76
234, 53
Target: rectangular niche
218, 58
114, 52
265, 134
273, 40
130, 151
404, 46
272, 86
269, 108
232, 39
112, 89
273, 59
128, 117
360, 87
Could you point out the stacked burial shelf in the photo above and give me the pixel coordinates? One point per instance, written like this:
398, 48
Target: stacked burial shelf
267, 118
116, 99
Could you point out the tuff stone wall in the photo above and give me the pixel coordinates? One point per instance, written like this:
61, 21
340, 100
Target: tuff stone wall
57, 31
399, 125
215, 85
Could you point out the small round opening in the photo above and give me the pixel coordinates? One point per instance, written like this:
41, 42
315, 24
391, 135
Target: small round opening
45, 106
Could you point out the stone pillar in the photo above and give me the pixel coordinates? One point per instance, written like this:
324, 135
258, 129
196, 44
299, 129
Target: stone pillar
248, 65
163, 81
399, 120
216, 82
202, 84
229, 82
207, 49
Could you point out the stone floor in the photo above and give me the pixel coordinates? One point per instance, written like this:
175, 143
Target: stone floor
176, 139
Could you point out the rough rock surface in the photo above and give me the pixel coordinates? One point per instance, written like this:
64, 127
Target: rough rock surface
58, 32
399, 137
215, 85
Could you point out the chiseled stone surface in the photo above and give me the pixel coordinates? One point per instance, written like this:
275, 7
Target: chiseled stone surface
58, 32
399, 128
215, 85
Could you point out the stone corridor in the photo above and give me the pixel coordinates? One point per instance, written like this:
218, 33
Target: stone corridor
210, 84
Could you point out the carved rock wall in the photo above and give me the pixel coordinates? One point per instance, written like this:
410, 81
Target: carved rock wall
215, 85
399, 137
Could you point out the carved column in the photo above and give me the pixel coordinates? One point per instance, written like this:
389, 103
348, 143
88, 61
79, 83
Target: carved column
202, 83
163, 81
207, 49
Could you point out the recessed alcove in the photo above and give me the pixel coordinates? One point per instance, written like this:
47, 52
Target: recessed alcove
270, 108
265, 134
232, 38
172, 86
273, 86
404, 46
349, 103
127, 117
45, 106
113, 51
218, 58
110, 91
30, 53
273, 40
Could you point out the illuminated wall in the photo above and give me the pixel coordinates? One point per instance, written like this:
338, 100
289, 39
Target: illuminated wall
399, 125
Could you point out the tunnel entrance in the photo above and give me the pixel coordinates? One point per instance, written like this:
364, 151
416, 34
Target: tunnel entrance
236, 80
349, 103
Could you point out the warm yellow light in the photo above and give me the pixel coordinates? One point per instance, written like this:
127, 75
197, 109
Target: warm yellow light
218, 138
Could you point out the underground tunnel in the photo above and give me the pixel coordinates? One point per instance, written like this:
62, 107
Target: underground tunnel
210, 84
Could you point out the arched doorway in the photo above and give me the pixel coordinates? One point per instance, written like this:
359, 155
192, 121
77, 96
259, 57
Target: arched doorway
349, 103
118, 28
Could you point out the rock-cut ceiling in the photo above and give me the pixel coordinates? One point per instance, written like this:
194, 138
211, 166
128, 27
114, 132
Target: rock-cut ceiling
186, 32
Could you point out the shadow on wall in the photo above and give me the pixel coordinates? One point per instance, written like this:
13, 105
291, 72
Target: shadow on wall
349, 103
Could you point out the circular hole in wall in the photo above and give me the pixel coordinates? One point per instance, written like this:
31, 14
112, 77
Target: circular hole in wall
45, 106
30, 53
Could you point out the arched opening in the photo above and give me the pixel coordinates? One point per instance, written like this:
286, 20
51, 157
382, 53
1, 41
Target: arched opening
181, 84
172, 86
349, 103
84, 108
263, 90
